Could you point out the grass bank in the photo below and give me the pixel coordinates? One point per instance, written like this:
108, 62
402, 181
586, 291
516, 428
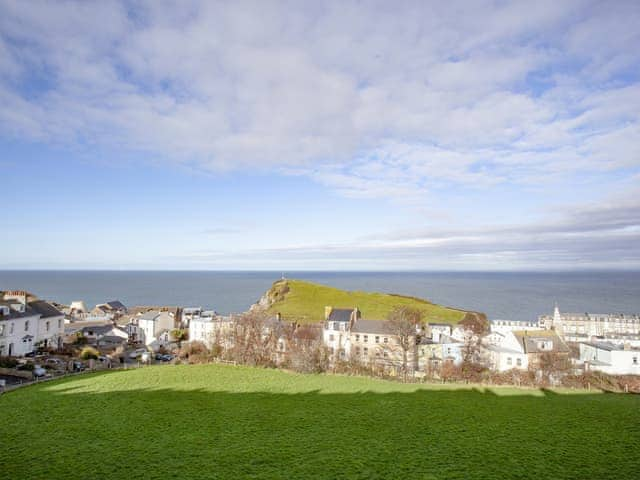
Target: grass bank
305, 301
213, 421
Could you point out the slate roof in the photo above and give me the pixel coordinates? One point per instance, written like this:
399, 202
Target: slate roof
116, 305
371, 326
45, 309
150, 315
13, 313
528, 340
100, 329
340, 315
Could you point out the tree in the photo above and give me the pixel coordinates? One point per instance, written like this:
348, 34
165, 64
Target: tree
403, 323
179, 335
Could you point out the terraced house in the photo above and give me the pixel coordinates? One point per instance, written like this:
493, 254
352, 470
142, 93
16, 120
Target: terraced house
27, 322
585, 327
348, 336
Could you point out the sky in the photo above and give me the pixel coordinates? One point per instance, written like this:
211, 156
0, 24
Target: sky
320, 135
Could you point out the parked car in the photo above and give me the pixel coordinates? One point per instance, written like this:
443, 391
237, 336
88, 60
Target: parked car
138, 352
164, 357
38, 371
79, 366
54, 362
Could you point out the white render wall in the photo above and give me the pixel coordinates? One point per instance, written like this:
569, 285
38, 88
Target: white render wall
13, 333
617, 362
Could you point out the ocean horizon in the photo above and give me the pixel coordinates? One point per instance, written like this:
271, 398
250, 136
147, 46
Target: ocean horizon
504, 295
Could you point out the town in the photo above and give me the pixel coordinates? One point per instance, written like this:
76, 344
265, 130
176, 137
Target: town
41, 339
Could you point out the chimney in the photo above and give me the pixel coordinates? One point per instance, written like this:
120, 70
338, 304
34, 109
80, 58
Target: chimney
327, 312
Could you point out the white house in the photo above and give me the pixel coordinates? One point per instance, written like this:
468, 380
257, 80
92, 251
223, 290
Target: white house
154, 327
336, 330
438, 329
610, 358
27, 323
522, 349
208, 327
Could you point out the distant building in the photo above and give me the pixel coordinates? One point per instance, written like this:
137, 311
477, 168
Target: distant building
610, 358
154, 327
585, 327
504, 326
208, 327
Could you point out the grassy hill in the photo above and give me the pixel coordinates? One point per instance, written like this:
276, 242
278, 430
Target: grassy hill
305, 301
213, 421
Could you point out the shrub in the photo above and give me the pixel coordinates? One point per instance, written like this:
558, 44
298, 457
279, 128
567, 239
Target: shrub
8, 362
89, 353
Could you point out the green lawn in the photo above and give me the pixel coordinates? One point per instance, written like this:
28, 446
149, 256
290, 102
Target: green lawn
305, 302
213, 421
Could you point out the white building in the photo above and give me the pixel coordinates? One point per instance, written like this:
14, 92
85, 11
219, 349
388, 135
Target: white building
336, 331
504, 326
189, 313
154, 327
610, 358
209, 328
522, 349
27, 323
585, 327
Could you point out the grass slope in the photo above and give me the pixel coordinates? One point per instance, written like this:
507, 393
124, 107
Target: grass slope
215, 421
305, 302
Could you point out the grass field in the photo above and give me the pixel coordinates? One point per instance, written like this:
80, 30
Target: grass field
305, 302
214, 421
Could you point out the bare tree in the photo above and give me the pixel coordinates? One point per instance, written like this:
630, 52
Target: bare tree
402, 324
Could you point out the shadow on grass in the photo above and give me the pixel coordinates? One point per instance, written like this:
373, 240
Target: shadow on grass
169, 433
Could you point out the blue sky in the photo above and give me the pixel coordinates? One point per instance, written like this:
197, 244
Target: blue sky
332, 135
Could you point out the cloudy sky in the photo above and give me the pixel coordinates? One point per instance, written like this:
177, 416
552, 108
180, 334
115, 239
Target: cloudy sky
320, 135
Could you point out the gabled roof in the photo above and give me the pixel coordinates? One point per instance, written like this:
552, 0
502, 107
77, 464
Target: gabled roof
340, 315
371, 326
116, 305
45, 309
150, 315
529, 341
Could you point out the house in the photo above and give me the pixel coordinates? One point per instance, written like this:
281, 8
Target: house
370, 342
188, 314
108, 311
105, 335
208, 327
610, 358
336, 331
153, 327
434, 352
27, 323
523, 349
434, 330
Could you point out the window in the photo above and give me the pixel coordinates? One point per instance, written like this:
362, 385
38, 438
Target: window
336, 325
366, 338
1, 330
385, 354
377, 339
59, 323
519, 362
634, 360
331, 350
357, 350
386, 340
26, 326
331, 337
509, 360
48, 324
357, 338
365, 351
11, 328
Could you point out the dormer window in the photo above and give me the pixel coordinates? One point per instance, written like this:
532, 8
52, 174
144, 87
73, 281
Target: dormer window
545, 345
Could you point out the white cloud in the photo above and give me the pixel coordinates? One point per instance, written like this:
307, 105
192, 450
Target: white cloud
365, 98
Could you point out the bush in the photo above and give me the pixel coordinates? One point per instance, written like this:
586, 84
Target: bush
89, 353
27, 367
8, 362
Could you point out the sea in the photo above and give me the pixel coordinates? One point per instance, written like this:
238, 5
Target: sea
501, 295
